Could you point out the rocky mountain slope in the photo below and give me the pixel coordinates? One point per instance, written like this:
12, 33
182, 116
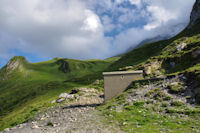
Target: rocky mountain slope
149, 40
176, 56
195, 14
155, 106
27, 87
147, 51
170, 104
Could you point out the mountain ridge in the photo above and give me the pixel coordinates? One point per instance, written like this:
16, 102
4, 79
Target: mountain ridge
27, 88
195, 14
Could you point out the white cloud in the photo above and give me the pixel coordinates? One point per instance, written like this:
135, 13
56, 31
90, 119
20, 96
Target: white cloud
54, 28
136, 2
92, 22
165, 18
159, 17
133, 36
107, 23
76, 28
119, 1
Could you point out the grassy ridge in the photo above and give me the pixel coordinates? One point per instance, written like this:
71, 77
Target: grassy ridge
150, 117
155, 114
147, 51
27, 87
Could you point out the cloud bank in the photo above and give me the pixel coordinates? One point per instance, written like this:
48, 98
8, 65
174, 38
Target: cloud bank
85, 29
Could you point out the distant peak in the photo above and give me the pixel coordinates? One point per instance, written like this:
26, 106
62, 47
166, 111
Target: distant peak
19, 58
58, 58
15, 62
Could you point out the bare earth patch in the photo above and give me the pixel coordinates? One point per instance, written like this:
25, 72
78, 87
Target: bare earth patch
77, 116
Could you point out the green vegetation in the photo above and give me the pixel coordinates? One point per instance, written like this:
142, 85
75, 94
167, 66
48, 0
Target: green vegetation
27, 88
49, 124
159, 111
113, 59
158, 50
140, 55
177, 103
178, 88
151, 116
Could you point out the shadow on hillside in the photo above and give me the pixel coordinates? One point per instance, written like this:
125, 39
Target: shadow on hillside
81, 106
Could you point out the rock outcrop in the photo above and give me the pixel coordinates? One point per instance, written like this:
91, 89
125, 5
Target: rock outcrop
195, 14
15, 62
64, 65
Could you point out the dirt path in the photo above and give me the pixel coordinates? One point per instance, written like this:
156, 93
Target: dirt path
78, 116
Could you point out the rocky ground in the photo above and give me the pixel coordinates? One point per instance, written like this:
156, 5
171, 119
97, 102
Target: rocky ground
161, 106
156, 91
76, 114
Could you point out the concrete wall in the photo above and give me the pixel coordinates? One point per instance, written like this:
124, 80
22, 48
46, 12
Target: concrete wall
117, 82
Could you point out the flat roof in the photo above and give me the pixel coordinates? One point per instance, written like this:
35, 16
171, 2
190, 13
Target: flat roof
123, 72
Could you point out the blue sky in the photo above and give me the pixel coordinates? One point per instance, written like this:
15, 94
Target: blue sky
84, 29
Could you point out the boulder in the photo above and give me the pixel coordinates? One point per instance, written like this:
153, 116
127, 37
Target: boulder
34, 126
129, 67
66, 96
174, 83
53, 101
7, 130
63, 95
60, 100
148, 70
97, 82
196, 53
172, 64
181, 47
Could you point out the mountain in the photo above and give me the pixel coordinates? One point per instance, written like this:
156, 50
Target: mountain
180, 54
168, 98
149, 40
195, 14
164, 105
146, 51
28, 87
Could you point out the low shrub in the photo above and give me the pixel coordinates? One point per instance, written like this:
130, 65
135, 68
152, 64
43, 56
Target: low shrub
49, 123
176, 88
165, 104
167, 98
177, 103
139, 103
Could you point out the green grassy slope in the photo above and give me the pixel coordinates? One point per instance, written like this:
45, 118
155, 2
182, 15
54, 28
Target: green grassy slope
28, 87
147, 51
157, 111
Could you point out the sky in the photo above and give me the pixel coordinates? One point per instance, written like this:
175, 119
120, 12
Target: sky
85, 29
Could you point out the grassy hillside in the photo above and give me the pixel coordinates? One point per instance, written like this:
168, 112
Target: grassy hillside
147, 51
146, 109
169, 105
178, 55
28, 87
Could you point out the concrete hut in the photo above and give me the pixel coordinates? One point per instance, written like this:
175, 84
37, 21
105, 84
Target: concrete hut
117, 82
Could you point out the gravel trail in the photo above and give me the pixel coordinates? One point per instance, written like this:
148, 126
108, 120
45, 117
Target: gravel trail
78, 116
